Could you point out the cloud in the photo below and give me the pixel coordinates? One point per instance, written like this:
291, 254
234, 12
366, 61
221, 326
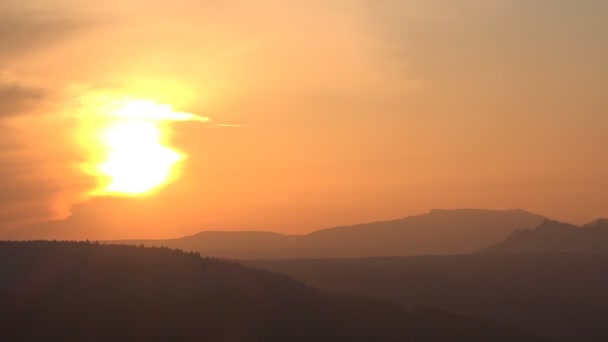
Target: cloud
230, 125
15, 99
22, 191
37, 178
25, 31
37, 182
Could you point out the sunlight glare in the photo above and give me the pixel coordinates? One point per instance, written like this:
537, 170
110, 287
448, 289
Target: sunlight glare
134, 154
137, 161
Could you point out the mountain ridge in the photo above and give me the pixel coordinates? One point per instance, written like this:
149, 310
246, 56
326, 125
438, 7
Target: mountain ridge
437, 232
555, 237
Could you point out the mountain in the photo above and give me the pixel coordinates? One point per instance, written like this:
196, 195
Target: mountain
66, 291
599, 222
562, 296
438, 232
556, 237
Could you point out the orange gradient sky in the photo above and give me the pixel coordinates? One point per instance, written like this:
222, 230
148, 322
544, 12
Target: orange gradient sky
321, 113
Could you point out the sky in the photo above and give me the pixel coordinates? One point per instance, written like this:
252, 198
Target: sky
316, 113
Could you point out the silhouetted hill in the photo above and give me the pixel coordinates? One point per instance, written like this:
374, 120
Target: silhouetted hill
556, 237
596, 223
558, 295
438, 232
61, 291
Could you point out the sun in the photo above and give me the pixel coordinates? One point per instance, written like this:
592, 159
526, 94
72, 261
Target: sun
137, 161
133, 154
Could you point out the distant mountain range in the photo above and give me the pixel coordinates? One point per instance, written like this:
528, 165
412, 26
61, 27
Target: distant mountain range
556, 237
439, 232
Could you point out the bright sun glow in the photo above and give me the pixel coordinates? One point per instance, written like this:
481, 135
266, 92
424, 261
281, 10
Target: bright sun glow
135, 156
137, 160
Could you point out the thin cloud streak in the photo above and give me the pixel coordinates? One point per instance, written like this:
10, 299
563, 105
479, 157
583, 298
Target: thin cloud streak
231, 126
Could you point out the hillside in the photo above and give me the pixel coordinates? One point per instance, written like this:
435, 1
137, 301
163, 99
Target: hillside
556, 237
557, 295
439, 232
61, 291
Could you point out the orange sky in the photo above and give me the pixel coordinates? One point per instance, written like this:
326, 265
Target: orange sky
346, 111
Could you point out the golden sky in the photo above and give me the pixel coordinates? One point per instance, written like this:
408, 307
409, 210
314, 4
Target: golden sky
321, 113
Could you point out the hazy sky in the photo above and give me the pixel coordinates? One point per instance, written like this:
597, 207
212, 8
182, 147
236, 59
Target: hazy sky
348, 110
